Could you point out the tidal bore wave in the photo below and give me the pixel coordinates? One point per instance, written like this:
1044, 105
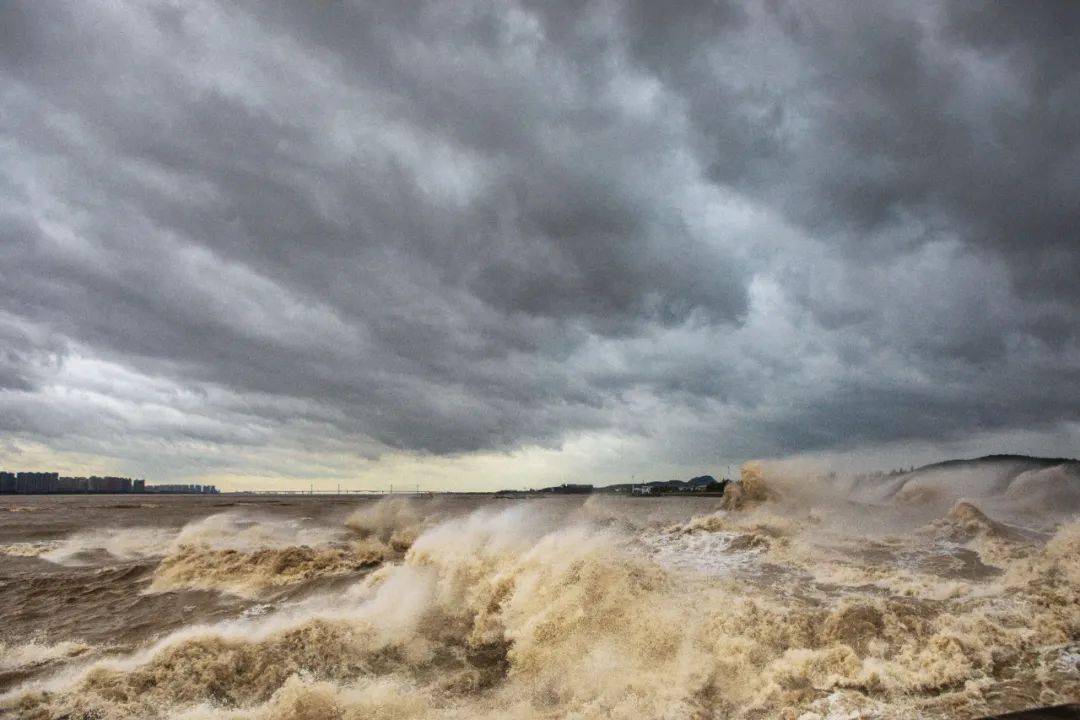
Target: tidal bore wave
758, 605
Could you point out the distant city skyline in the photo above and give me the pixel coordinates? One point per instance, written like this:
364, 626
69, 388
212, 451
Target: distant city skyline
479, 245
38, 482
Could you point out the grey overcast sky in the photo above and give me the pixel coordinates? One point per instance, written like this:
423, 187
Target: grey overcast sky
485, 244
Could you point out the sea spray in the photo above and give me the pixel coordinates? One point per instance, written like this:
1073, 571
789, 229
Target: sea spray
562, 608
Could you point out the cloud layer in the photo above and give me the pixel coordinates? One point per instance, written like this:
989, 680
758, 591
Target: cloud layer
294, 238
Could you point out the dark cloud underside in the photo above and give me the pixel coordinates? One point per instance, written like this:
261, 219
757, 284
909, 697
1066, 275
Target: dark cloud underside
456, 227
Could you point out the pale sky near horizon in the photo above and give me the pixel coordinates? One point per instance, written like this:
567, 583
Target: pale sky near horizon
476, 245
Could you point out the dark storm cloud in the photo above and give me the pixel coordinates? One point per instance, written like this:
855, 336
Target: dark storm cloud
473, 226
959, 117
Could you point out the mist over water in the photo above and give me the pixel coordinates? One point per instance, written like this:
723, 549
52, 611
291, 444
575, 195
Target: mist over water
928, 596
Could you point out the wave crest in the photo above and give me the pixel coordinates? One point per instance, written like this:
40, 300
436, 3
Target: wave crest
499, 614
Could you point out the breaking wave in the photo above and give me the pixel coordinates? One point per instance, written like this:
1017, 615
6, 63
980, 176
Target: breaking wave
250, 573
35, 653
754, 610
395, 522
223, 531
84, 548
27, 549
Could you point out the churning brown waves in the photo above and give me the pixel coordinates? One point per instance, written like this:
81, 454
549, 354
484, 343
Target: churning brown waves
768, 607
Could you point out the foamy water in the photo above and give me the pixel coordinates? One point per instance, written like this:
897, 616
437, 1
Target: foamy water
760, 605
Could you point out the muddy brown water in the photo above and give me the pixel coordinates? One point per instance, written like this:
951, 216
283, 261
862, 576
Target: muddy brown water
473, 606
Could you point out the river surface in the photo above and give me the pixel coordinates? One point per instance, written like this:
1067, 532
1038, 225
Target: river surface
760, 605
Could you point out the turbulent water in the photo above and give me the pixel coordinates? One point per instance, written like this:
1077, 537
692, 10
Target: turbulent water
785, 599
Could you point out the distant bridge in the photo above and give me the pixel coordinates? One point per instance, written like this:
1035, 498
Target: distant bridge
412, 493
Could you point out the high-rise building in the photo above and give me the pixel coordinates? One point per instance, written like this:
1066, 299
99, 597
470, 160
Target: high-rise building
36, 482
29, 482
33, 483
